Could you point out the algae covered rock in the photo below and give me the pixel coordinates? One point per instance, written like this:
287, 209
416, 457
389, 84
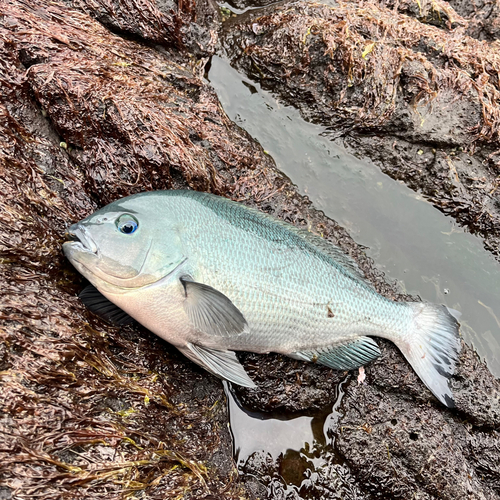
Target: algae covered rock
417, 99
92, 411
87, 410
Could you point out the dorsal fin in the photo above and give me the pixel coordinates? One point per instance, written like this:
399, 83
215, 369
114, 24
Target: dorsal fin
333, 251
257, 222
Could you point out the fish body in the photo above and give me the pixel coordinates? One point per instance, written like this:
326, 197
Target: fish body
212, 276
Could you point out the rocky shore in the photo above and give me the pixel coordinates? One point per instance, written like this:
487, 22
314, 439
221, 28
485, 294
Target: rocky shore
103, 99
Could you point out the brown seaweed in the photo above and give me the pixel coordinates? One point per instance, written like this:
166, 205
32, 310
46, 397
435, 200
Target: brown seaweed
418, 100
93, 411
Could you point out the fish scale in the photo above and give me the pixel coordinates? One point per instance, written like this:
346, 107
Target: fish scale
308, 283
213, 276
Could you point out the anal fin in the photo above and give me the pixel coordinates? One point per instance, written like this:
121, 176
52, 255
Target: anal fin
223, 364
343, 356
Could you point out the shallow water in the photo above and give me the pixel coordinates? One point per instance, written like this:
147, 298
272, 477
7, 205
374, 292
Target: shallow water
411, 241
300, 444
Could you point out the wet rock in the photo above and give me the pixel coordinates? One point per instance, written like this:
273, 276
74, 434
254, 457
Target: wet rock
289, 386
425, 451
398, 453
482, 16
99, 412
477, 393
438, 13
415, 99
190, 25
245, 4
5, 493
292, 477
487, 463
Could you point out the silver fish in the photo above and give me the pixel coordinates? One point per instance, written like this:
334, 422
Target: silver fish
212, 276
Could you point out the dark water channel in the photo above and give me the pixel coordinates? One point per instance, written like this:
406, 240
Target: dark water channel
426, 252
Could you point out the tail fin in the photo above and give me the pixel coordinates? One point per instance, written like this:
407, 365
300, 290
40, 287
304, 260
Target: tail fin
432, 346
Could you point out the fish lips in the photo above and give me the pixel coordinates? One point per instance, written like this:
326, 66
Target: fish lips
79, 239
102, 271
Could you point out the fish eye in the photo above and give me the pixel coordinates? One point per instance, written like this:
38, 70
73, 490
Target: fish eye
127, 224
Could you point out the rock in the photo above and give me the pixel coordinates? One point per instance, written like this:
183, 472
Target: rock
438, 13
189, 26
482, 16
417, 100
398, 452
92, 411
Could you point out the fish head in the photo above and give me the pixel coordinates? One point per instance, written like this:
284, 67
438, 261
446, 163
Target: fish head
126, 245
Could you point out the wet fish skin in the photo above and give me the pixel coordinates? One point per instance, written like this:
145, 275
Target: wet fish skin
212, 276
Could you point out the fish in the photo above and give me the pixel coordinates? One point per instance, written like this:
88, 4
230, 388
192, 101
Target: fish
212, 277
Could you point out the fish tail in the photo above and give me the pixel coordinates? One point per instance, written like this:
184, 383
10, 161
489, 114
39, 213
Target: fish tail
432, 346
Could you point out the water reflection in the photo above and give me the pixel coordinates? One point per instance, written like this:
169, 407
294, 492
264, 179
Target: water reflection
271, 434
301, 445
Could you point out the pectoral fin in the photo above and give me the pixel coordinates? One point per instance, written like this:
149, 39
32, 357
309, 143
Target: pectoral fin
223, 364
211, 311
100, 305
343, 357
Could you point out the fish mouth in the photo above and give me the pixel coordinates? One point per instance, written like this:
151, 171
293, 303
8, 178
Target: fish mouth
79, 237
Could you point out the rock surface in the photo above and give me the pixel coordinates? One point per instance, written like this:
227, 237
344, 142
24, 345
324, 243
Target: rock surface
92, 411
418, 100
